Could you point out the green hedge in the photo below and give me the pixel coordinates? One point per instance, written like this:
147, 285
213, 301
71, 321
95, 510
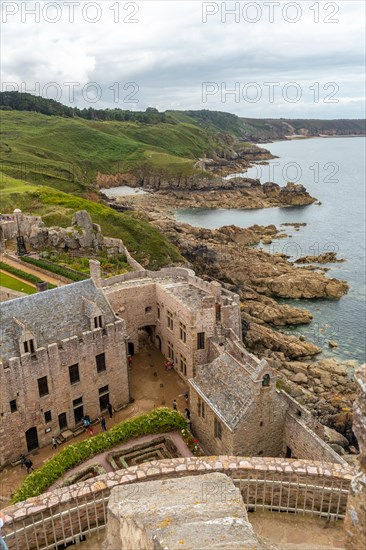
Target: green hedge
58, 269
22, 274
158, 421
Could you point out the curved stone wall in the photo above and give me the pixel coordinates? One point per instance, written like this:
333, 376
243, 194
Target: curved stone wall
274, 484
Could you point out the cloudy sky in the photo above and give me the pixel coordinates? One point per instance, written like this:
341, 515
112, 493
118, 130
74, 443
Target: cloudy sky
257, 59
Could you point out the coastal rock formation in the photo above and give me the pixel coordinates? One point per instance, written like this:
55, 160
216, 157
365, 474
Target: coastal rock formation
262, 339
300, 285
326, 258
266, 310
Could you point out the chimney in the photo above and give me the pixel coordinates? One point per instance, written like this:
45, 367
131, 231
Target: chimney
95, 273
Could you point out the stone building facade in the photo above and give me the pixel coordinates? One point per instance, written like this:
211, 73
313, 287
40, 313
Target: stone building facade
179, 313
63, 355
235, 406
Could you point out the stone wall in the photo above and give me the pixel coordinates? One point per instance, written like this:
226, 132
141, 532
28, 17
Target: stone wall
8, 294
18, 381
145, 298
265, 483
355, 524
260, 431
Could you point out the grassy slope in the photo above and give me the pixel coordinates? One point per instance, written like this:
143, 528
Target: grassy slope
66, 153
49, 166
8, 281
145, 243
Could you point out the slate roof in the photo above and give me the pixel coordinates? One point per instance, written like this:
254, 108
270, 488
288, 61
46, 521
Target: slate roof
226, 386
51, 316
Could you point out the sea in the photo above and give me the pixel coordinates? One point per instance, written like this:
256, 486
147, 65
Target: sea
332, 170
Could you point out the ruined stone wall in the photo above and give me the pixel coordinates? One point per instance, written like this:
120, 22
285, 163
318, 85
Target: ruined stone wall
19, 381
9, 225
277, 484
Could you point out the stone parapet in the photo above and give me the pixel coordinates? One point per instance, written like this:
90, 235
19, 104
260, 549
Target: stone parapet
273, 484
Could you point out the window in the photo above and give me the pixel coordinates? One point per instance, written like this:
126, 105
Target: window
170, 320
42, 386
200, 340
28, 346
201, 408
170, 351
100, 361
103, 397
148, 309
47, 416
98, 322
218, 429
13, 406
158, 312
183, 332
183, 365
265, 381
74, 373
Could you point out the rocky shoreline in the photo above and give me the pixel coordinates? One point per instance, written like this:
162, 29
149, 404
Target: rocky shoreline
227, 255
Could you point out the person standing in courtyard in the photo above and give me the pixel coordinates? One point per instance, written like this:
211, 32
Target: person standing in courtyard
110, 410
174, 405
54, 442
103, 423
29, 465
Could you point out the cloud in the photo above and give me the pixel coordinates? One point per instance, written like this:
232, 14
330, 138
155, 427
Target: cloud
170, 52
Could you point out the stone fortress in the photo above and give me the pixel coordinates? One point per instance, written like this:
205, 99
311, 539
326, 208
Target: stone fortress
64, 352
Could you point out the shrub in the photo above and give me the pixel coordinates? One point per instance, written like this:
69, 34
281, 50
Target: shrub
58, 269
22, 274
157, 421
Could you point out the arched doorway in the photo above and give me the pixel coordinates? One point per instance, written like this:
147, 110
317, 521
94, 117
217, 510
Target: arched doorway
32, 439
146, 336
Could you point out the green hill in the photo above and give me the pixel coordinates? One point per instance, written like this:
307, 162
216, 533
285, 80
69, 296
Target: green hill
51, 154
144, 242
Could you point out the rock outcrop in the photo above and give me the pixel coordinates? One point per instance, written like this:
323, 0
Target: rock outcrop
83, 237
326, 258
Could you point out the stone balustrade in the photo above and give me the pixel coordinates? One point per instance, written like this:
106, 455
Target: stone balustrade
274, 484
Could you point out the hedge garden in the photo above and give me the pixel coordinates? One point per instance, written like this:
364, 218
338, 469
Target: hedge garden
160, 420
71, 274
22, 274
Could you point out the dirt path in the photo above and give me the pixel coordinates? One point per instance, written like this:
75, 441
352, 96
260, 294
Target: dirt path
32, 270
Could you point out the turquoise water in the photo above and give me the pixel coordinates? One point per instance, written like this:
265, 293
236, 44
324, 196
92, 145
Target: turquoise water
333, 171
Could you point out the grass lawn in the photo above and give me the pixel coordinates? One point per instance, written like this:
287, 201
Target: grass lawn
14, 284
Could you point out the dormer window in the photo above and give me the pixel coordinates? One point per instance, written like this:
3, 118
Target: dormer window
29, 346
98, 321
